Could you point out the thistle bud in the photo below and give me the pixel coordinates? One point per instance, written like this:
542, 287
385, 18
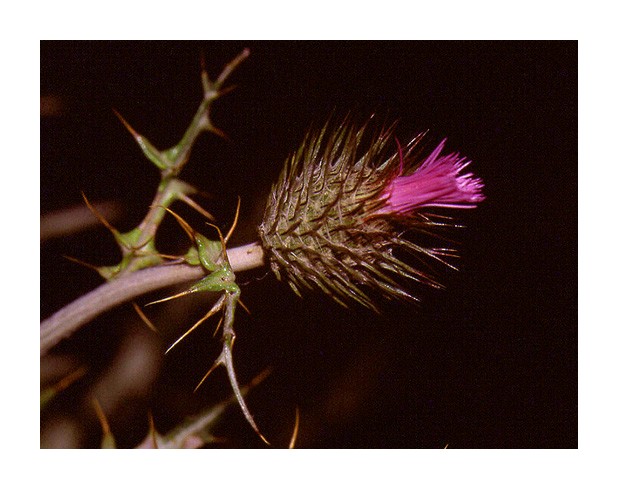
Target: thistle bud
343, 214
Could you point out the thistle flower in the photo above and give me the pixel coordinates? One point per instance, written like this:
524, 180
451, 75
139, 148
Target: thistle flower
435, 183
349, 218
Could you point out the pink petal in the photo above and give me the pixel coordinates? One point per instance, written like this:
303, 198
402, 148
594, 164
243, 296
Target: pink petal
436, 183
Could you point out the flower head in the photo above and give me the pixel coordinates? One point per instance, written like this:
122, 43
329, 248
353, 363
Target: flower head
347, 217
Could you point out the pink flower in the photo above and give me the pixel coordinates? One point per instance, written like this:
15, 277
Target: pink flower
437, 182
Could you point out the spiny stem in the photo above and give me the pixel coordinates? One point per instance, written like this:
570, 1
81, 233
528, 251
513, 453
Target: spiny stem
70, 318
170, 189
137, 245
201, 120
227, 360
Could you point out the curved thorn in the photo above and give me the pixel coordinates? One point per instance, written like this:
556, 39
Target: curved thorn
223, 248
229, 233
100, 217
229, 366
183, 224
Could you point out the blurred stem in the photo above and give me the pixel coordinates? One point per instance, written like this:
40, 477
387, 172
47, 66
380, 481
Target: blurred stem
65, 222
70, 318
196, 431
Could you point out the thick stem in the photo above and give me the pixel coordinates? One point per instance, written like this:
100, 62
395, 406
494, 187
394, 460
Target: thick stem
70, 318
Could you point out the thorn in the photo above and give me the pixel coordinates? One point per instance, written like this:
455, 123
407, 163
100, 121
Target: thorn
82, 263
202, 62
259, 378
221, 238
216, 308
295, 432
223, 242
191, 203
206, 83
152, 430
226, 359
133, 132
219, 132
175, 296
144, 318
65, 382
218, 326
400, 156
183, 224
108, 438
203, 193
229, 233
210, 370
175, 258
101, 218
244, 307
100, 415
152, 153
231, 66
226, 90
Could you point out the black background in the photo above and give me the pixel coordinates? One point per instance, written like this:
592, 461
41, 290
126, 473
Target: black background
491, 362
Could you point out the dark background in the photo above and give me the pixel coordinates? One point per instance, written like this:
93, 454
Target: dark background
491, 362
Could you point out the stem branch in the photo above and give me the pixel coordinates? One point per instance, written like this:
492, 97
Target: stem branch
111, 294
